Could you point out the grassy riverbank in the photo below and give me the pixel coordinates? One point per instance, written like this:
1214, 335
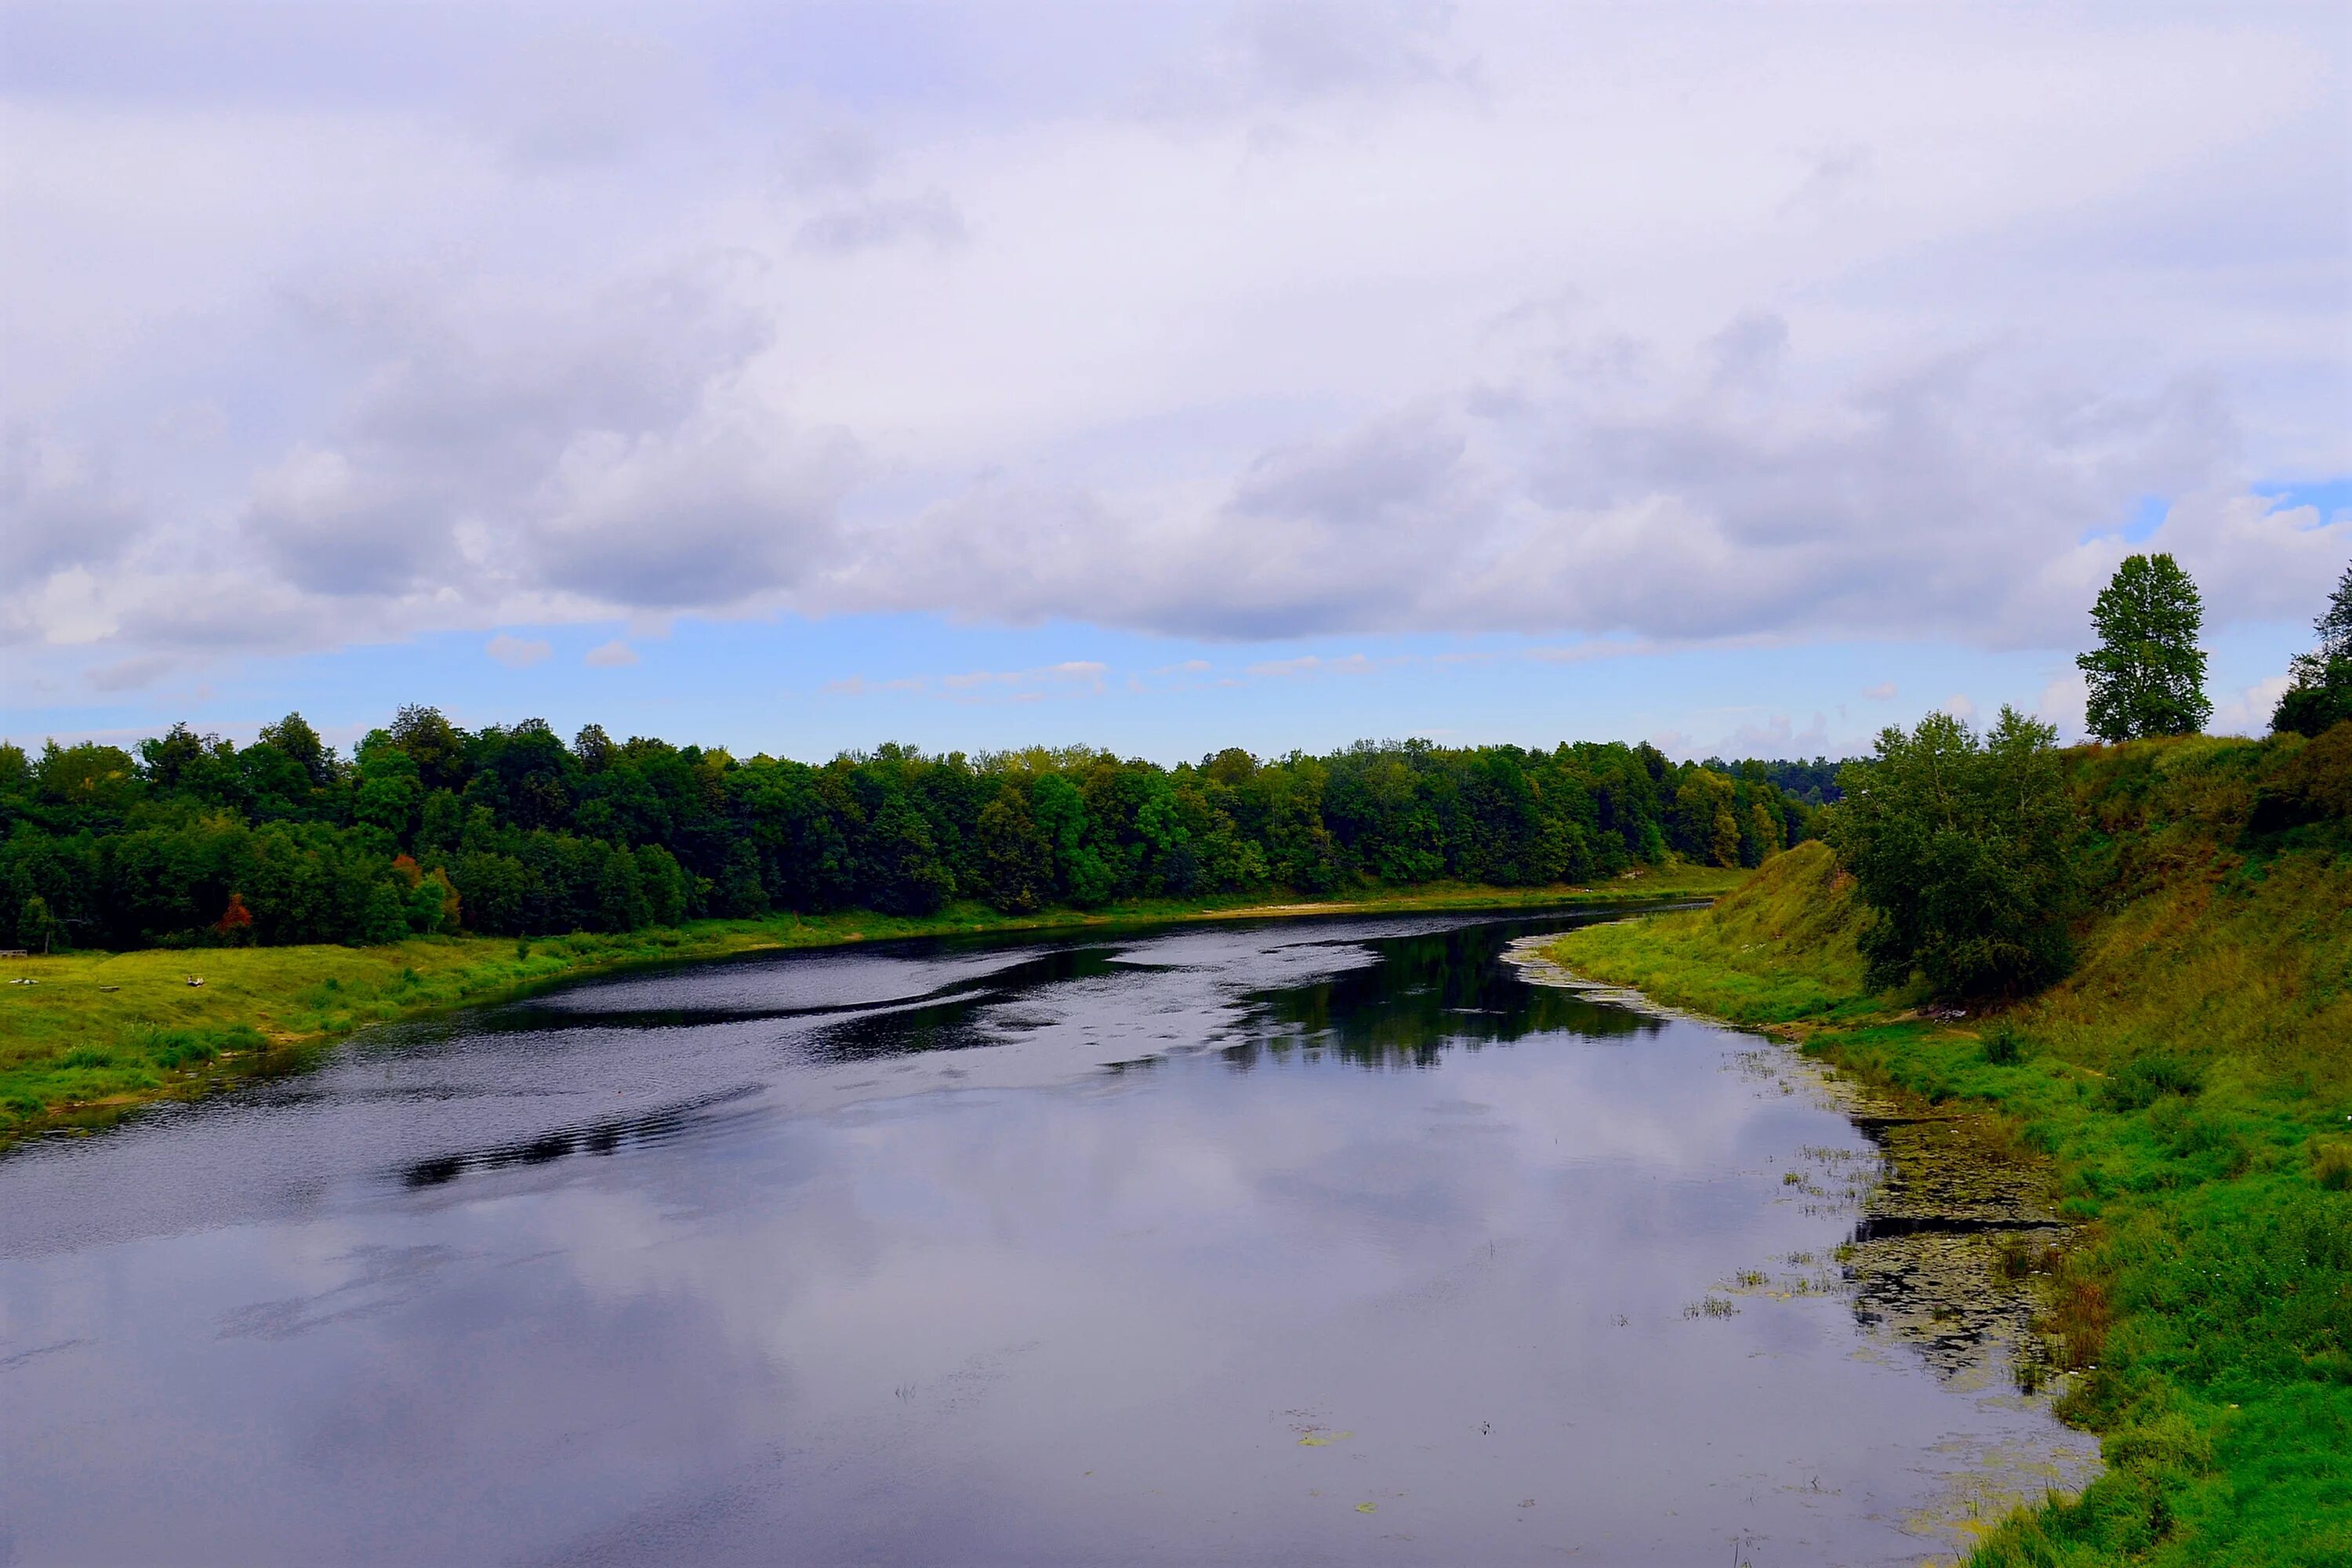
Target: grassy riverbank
2189, 1085
99, 1033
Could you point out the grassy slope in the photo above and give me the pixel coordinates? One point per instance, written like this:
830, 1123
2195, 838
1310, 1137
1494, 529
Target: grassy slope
101, 1033
2191, 1082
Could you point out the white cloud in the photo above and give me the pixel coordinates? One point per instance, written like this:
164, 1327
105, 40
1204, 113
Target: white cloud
2248, 711
1298, 319
517, 653
60, 510
879, 222
1884, 691
613, 655
130, 674
2065, 702
1778, 737
1959, 705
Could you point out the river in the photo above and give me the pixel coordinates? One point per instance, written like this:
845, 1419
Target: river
1294, 1242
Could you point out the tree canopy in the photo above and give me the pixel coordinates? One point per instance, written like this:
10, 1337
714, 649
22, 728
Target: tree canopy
1961, 850
2320, 695
2148, 674
428, 827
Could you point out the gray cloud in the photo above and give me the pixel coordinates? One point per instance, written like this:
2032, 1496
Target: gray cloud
574, 445
928, 218
335, 529
716, 512
132, 674
508, 320
1949, 499
1298, 50
58, 506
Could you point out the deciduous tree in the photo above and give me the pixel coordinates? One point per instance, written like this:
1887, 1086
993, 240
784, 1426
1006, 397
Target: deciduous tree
2148, 674
1963, 853
2321, 695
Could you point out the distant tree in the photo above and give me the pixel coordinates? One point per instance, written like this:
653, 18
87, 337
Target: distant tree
273, 784
2321, 695
1300, 850
593, 748
1016, 858
1963, 853
169, 758
514, 833
88, 775
294, 736
235, 926
1706, 827
1060, 813
901, 872
35, 927
664, 885
740, 892
620, 892
438, 747
383, 916
2148, 674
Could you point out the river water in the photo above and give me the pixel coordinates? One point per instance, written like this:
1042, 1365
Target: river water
1303, 1242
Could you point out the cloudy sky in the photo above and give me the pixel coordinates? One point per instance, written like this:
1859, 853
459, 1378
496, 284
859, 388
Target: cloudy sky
1162, 376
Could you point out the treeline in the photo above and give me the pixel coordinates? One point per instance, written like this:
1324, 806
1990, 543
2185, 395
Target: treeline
509, 830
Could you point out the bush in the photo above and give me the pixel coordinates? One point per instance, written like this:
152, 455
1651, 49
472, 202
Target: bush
2307, 782
1963, 852
2144, 1080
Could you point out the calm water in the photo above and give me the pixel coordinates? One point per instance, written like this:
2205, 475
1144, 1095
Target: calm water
1302, 1242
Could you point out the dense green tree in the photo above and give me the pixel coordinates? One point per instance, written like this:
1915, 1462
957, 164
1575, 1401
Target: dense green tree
509, 831
1707, 825
172, 760
1963, 853
901, 872
1060, 813
94, 784
35, 927
2320, 696
384, 917
438, 747
1016, 860
2147, 674
387, 789
593, 748
668, 898
294, 736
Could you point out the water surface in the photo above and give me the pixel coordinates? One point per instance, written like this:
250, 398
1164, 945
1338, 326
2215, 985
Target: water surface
1304, 1242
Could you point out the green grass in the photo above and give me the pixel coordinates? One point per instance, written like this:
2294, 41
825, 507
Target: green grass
2189, 1085
99, 1033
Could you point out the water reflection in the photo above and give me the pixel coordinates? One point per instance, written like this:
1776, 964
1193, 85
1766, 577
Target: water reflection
981, 1253
1423, 996
605, 1137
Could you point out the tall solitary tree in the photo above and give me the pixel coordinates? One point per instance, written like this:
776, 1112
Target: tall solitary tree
2321, 695
2148, 674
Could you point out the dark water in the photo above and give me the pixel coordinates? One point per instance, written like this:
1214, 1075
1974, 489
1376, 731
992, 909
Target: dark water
1302, 1242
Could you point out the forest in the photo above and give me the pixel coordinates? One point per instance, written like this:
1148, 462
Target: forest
507, 830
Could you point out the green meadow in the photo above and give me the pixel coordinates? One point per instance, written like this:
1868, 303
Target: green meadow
2188, 1089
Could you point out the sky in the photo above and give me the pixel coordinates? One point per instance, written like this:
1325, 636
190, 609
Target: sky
1162, 377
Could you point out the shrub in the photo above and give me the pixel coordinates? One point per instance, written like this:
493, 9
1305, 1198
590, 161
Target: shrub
1963, 852
2144, 1080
